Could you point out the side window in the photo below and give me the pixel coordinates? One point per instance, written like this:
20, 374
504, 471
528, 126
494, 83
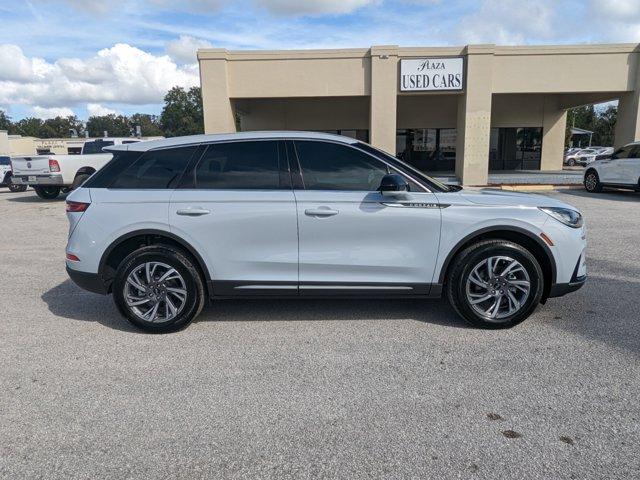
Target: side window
155, 169
635, 152
96, 146
239, 166
331, 166
621, 153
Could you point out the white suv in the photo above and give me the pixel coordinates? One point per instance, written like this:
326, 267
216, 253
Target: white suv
621, 169
169, 224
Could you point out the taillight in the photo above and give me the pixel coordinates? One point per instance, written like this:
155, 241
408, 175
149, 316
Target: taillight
77, 206
54, 166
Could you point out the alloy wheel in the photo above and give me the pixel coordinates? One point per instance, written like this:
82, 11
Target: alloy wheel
591, 181
498, 287
155, 292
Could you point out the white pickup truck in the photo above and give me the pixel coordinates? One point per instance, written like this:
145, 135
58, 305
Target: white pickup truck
51, 174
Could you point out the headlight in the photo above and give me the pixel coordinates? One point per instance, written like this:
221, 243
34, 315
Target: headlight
569, 217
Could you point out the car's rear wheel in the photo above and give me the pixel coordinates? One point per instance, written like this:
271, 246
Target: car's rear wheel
158, 289
17, 188
495, 284
592, 182
47, 192
571, 162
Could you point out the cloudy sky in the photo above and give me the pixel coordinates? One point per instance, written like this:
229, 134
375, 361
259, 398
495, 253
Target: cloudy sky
94, 57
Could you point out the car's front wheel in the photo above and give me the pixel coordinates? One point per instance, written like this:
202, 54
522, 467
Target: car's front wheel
159, 289
495, 284
47, 192
592, 182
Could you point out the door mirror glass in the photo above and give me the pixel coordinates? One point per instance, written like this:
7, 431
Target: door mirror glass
393, 184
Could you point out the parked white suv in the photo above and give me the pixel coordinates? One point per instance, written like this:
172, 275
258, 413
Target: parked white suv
620, 170
168, 224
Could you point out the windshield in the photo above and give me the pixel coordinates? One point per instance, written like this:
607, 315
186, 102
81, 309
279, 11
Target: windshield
5, 161
430, 182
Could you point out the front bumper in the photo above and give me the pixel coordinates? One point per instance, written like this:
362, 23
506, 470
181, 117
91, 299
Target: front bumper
578, 279
88, 281
39, 180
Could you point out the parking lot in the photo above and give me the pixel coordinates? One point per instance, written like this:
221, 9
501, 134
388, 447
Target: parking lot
310, 389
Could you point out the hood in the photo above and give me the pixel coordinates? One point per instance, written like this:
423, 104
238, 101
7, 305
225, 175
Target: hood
507, 198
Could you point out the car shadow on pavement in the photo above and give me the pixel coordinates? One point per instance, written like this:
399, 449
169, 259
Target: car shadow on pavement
36, 199
618, 195
608, 311
69, 301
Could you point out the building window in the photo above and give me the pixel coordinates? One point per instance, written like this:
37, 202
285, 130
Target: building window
428, 149
515, 148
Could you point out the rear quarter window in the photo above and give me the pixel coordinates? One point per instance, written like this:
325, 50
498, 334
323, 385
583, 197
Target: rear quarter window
155, 169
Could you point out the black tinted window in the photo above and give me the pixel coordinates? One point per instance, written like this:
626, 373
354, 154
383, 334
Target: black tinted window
96, 146
239, 165
330, 166
155, 169
5, 161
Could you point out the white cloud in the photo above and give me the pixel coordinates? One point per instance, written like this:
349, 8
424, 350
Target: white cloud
183, 49
120, 74
313, 7
508, 22
626, 11
45, 113
97, 110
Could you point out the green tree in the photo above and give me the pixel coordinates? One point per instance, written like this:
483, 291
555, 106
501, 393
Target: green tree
605, 127
60, 127
114, 125
182, 112
5, 122
29, 127
149, 124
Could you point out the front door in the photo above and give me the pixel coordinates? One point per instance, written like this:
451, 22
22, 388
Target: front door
238, 208
352, 238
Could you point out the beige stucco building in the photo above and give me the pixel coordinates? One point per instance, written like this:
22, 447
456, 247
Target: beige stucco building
507, 112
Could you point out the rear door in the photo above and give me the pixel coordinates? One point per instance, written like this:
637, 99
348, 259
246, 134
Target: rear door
352, 238
236, 207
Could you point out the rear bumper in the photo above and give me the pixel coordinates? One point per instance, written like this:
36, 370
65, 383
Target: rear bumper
88, 281
40, 180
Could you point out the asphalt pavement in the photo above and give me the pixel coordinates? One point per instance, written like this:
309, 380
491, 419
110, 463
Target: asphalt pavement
343, 389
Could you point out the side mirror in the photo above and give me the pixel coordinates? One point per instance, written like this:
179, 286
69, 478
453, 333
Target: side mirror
393, 184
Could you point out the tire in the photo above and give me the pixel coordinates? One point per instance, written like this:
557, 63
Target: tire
592, 182
17, 188
462, 290
571, 162
79, 180
186, 305
47, 193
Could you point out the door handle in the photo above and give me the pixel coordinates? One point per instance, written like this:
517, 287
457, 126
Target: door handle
193, 212
320, 212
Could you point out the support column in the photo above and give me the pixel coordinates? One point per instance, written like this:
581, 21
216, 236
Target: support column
474, 117
384, 94
554, 124
4, 143
628, 122
219, 115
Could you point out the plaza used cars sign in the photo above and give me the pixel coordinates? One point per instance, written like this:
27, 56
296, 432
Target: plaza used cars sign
426, 74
